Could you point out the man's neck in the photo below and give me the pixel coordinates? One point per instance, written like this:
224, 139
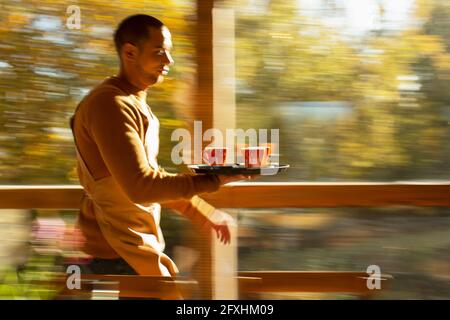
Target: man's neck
136, 88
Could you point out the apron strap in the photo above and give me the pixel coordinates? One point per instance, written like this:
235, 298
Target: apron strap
79, 157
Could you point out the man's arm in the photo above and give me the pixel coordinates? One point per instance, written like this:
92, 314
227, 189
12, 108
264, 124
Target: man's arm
114, 125
195, 209
204, 215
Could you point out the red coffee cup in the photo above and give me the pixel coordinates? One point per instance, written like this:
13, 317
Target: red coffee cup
255, 156
215, 156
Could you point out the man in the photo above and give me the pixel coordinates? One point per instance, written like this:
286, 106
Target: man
116, 135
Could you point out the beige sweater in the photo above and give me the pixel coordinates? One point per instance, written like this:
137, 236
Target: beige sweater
110, 126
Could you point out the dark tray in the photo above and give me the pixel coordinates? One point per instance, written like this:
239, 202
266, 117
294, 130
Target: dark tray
237, 169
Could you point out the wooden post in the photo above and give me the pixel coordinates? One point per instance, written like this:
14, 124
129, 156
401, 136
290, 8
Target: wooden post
204, 112
224, 109
225, 266
217, 266
225, 262
204, 58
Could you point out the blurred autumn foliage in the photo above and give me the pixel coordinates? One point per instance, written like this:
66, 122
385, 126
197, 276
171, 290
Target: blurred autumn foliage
395, 83
46, 68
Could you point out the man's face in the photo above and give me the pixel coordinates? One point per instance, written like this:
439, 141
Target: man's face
152, 59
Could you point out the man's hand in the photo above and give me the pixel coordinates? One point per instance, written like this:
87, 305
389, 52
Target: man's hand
220, 221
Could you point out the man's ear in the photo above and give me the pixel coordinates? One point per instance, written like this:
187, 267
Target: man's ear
129, 52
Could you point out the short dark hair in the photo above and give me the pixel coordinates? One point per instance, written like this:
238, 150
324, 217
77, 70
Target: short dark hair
135, 29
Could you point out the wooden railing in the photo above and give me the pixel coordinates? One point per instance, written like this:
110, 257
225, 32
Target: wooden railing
250, 283
259, 195
308, 281
265, 195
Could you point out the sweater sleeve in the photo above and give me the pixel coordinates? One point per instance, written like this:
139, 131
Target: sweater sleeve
195, 209
114, 125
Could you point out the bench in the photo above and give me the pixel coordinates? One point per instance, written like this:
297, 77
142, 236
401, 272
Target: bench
250, 283
257, 282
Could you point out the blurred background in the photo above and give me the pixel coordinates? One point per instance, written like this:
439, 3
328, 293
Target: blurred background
360, 90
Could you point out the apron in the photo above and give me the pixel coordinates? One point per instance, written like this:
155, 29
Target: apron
132, 230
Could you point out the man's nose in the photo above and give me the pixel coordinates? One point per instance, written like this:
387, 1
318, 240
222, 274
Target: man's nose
169, 59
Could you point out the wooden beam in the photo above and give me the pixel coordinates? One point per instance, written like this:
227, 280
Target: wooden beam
249, 282
204, 58
130, 286
258, 195
203, 112
321, 195
224, 111
40, 197
307, 281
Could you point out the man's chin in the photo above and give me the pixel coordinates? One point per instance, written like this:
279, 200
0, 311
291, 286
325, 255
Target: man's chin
159, 79
152, 80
